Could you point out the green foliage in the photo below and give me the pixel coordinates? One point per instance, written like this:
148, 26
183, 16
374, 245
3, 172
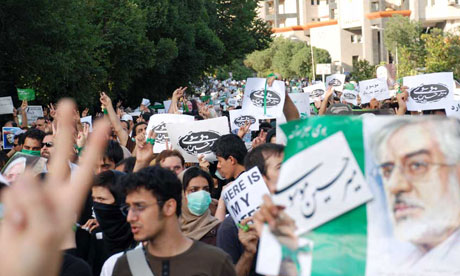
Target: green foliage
237, 68
129, 48
442, 52
362, 70
292, 59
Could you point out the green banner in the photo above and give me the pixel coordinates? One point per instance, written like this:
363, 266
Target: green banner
26, 94
339, 245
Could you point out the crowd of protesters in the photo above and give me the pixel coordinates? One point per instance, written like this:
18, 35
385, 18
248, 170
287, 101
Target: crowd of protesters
104, 204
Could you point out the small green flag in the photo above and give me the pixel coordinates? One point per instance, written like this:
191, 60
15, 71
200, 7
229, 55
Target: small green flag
26, 94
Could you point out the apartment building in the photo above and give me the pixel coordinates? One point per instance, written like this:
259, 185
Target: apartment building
353, 29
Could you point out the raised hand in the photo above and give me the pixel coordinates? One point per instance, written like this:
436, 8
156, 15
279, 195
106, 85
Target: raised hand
244, 129
38, 216
260, 139
84, 113
105, 100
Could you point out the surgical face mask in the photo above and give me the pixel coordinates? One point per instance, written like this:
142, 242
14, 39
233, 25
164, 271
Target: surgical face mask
198, 202
31, 152
218, 175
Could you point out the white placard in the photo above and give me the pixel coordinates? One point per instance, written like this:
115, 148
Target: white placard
374, 88
316, 190
253, 99
195, 138
33, 112
302, 102
158, 122
6, 105
453, 110
336, 81
323, 69
243, 196
430, 91
88, 120
350, 96
238, 118
167, 104
270, 255
316, 91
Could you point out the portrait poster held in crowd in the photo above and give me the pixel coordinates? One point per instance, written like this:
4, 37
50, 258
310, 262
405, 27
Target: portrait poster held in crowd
413, 221
430, 91
239, 117
263, 100
18, 163
337, 81
373, 89
316, 91
406, 228
194, 138
6, 105
349, 94
8, 134
157, 123
243, 196
302, 102
89, 121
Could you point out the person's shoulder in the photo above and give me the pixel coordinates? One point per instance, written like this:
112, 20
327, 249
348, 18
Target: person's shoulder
213, 254
121, 266
72, 265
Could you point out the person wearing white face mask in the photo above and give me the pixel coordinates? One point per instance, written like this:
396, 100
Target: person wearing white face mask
196, 220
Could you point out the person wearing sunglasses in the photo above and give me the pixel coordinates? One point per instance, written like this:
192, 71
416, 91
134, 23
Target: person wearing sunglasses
47, 146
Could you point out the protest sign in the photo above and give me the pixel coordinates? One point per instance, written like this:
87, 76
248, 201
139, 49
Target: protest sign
316, 190
8, 134
6, 105
283, 255
33, 112
412, 231
239, 117
316, 91
158, 122
429, 91
374, 88
243, 196
195, 138
18, 163
26, 94
88, 120
302, 102
350, 96
331, 252
336, 81
255, 98
453, 110
167, 104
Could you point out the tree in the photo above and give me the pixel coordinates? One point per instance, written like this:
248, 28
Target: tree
237, 68
292, 59
442, 52
362, 70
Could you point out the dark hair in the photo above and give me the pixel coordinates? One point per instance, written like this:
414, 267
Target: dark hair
258, 155
108, 179
230, 145
193, 172
270, 134
162, 183
35, 134
40, 118
129, 164
169, 153
21, 138
133, 134
113, 151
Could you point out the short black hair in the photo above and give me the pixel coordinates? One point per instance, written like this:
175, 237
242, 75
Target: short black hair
133, 134
21, 138
230, 145
193, 172
35, 134
129, 164
162, 183
258, 155
108, 179
40, 118
113, 151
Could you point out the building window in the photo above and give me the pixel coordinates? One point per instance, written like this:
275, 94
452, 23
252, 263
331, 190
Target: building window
312, 2
355, 59
317, 2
